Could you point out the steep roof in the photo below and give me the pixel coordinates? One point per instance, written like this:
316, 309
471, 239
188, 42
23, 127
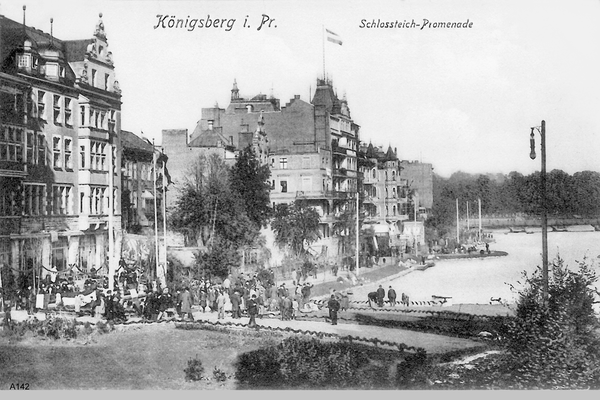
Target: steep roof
130, 140
76, 49
208, 137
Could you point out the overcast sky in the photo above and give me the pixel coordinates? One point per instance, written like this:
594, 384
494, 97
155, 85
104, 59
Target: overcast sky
461, 99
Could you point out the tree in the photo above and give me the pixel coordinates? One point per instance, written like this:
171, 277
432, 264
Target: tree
208, 207
251, 181
295, 226
219, 259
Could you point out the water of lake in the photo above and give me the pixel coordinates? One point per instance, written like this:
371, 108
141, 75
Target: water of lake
475, 281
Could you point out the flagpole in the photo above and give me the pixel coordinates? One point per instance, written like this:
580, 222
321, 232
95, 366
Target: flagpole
164, 211
323, 37
112, 270
155, 206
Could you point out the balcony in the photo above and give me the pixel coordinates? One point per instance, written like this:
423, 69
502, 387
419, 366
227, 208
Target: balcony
302, 194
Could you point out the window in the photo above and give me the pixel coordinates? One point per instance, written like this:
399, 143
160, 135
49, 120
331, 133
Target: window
41, 149
34, 199
93, 77
30, 147
106, 80
283, 163
11, 143
23, 60
41, 104
8, 202
61, 200
98, 156
56, 151
82, 157
82, 115
97, 200
374, 173
60, 253
68, 153
283, 186
111, 121
68, 112
57, 109
272, 163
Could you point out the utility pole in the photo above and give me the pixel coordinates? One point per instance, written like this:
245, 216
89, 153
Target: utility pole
457, 225
542, 131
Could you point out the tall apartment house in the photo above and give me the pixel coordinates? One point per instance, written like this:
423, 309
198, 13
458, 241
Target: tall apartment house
59, 135
396, 196
311, 149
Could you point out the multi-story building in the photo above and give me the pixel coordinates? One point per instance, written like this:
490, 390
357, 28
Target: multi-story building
396, 196
137, 182
311, 148
60, 135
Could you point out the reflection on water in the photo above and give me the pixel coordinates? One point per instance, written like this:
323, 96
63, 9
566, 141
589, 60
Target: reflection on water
477, 280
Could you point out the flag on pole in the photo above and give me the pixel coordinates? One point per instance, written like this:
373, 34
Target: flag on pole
160, 162
333, 37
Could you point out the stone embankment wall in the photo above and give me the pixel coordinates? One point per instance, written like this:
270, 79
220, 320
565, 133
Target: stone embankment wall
504, 222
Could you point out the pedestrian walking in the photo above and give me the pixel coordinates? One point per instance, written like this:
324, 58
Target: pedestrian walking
334, 307
392, 296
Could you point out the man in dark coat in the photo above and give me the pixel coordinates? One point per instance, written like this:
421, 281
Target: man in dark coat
252, 311
334, 307
235, 304
372, 298
392, 296
380, 295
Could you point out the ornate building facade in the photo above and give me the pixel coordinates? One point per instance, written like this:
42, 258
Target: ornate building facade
59, 140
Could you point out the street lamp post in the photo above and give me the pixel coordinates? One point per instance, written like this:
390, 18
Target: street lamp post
542, 131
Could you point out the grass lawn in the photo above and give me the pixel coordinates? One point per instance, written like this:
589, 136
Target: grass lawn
149, 357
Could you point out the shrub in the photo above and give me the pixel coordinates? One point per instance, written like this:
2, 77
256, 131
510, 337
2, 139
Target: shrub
413, 371
219, 375
555, 344
194, 369
304, 363
259, 368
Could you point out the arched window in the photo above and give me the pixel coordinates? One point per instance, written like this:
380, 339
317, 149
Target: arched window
374, 173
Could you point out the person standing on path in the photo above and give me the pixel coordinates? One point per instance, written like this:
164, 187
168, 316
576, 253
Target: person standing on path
380, 295
392, 296
334, 307
186, 304
294, 276
252, 311
221, 305
235, 304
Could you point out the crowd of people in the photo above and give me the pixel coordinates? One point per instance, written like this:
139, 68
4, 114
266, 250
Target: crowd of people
378, 297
